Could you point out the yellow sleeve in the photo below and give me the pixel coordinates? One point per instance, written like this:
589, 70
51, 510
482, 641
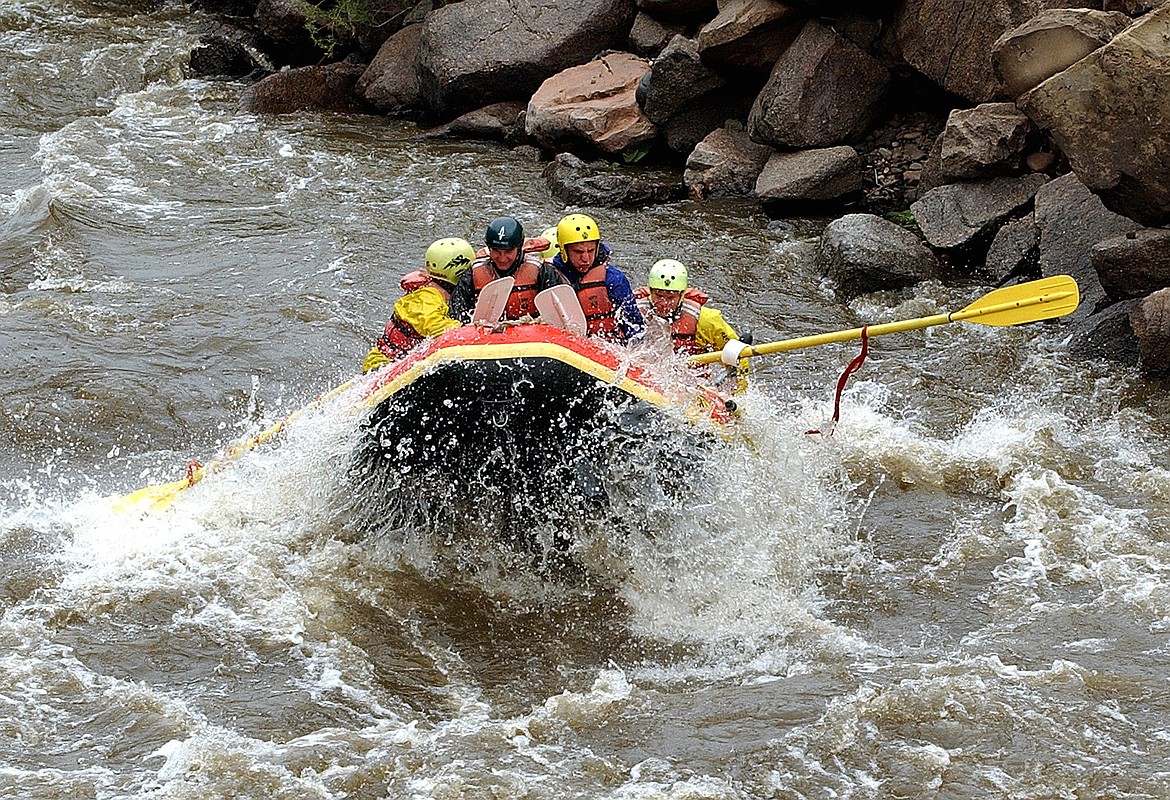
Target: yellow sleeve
374, 359
712, 332
426, 311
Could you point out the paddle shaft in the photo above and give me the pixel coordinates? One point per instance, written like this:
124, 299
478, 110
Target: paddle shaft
972, 313
159, 496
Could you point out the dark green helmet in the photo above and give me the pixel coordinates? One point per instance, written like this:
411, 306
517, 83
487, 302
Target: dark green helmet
504, 233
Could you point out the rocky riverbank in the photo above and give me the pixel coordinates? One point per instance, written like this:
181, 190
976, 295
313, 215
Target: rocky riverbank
1003, 140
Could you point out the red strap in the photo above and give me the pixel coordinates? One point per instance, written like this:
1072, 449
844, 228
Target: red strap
853, 366
192, 468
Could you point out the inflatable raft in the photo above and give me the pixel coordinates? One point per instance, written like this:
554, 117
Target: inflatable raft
527, 421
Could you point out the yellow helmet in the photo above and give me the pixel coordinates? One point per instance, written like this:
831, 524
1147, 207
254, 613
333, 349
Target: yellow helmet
551, 235
447, 259
576, 228
669, 275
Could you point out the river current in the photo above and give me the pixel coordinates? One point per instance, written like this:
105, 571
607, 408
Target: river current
961, 591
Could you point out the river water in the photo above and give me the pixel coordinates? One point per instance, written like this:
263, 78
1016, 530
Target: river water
962, 592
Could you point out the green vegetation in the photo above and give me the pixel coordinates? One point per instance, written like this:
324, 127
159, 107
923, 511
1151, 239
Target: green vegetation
903, 218
331, 21
633, 155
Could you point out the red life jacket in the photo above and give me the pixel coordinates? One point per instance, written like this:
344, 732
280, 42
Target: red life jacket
685, 322
522, 300
399, 337
596, 303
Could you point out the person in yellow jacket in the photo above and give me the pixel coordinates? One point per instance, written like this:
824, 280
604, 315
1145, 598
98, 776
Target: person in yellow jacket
423, 310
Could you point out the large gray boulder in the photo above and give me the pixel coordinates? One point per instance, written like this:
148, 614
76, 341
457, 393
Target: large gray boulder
950, 41
1049, 43
1071, 220
1133, 264
824, 90
963, 214
687, 99
1110, 115
678, 79
1107, 335
749, 34
390, 83
1015, 250
592, 107
725, 164
866, 253
580, 183
985, 141
808, 180
478, 52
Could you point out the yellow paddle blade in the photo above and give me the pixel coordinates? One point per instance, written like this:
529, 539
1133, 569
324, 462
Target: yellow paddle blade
1012, 305
160, 496
1046, 298
150, 498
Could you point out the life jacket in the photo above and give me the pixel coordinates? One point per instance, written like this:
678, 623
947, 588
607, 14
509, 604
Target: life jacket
414, 280
685, 322
399, 337
596, 303
522, 300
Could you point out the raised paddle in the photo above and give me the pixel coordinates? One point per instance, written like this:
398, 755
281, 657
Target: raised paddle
160, 496
558, 305
493, 297
1012, 305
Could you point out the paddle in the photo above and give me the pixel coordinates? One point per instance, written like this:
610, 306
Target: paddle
489, 306
160, 496
559, 306
1012, 305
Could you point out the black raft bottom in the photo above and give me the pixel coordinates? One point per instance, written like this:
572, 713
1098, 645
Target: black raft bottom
509, 447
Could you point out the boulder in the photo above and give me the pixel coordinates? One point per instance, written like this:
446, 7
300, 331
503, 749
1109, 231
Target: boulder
725, 164
1133, 264
500, 122
1107, 334
865, 253
477, 52
1071, 219
390, 83
648, 35
592, 106
749, 34
1150, 320
1015, 250
686, 99
1049, 43
960, 215
985, 141
1109, 114
824, 90
218, 56
678, 78
326, 88
578, 183
809, 179
949, 41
